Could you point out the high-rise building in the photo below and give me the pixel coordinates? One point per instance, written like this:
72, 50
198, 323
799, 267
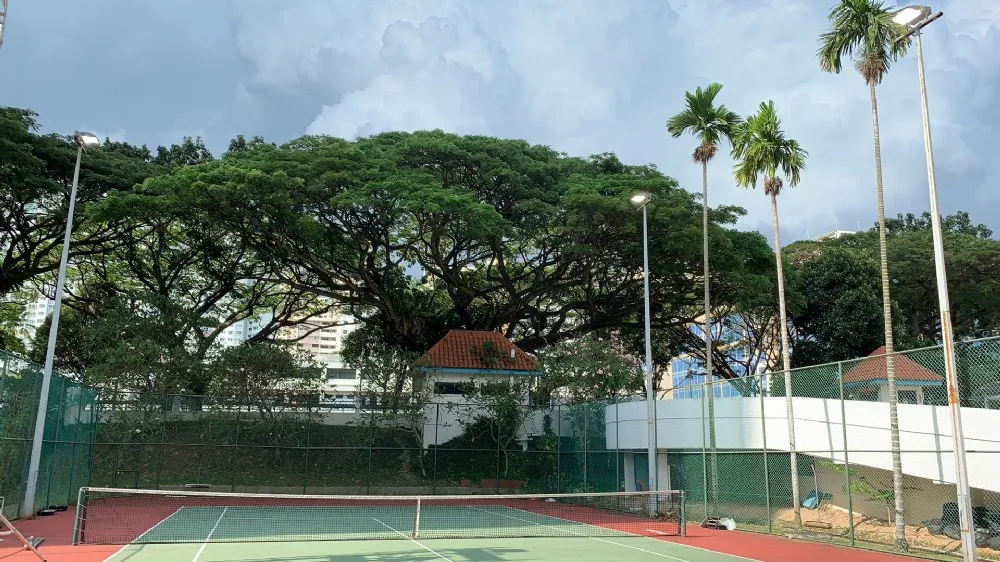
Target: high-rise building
686, 376
322, 338
35, 313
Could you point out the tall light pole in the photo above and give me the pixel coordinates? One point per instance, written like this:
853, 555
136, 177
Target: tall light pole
3, 19
82, 140
916, 18
642, 200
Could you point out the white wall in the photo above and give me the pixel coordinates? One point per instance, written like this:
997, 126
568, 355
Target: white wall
925, 432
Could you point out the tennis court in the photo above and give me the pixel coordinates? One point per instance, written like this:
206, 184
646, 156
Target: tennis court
356, 534
158, 525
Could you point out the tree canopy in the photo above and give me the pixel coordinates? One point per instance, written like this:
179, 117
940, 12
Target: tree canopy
415, 234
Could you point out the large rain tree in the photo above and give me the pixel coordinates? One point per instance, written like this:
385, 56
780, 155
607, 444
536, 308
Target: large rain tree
862, 32
764, 154
505, 235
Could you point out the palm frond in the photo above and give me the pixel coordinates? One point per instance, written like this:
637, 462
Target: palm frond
862, 31
702, 118
761, 149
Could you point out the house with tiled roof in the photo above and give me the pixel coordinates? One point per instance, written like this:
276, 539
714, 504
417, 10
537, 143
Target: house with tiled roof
869, 378
462, 356
466, 357
479, 352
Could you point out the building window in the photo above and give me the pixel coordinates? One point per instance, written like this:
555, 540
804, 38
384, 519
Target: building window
341, 374
452, 388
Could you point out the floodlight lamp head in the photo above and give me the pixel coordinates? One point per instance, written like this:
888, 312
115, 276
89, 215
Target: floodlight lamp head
85, 140
911, 15
640, 200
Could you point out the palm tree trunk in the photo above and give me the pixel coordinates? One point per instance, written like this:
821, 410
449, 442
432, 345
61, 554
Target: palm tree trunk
786, 363
709, 371
890, 360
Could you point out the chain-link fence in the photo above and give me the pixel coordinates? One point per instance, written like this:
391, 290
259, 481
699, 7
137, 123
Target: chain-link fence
728, 444
66, 445
843, 458
287, 445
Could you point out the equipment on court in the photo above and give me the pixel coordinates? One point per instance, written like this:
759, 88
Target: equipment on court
30, 543
123, 516
721, 523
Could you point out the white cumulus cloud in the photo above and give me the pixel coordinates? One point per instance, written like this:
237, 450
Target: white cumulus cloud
604, 75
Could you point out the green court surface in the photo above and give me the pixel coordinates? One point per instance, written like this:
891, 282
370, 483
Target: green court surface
580, 549
303, 534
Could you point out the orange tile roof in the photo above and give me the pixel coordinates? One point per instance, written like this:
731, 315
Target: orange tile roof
465, 349
873, 368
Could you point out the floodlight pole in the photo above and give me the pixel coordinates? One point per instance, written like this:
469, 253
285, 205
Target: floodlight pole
964, 497
3, 19
650, 394
28, 505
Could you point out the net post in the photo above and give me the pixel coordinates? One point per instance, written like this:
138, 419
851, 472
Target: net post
416, 521
80, 523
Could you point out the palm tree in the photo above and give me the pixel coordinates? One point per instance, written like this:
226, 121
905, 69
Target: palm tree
864, 33
711, 124
761, 149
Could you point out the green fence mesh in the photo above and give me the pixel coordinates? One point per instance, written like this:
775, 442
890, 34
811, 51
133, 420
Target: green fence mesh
67, 443
172, 442
727, 445
844, 470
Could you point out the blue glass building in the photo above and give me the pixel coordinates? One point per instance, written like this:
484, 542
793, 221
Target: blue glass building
688, 372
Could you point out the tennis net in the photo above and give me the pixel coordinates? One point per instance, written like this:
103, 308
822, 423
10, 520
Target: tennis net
123, 516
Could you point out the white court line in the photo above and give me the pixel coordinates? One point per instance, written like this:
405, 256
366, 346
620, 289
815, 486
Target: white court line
149, 530
209, 537
650, 538
605, 540
414, 541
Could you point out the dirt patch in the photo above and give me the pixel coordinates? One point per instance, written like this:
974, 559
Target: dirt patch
875, 531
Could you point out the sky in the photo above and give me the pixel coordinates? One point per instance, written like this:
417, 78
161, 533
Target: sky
582, 76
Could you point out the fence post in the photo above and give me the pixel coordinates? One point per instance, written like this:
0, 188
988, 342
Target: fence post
305, 469
236, 447
97, 405
437, 423
163, 448
586, 442
847, 464
704, 455
499, 436
767, 473
619, 483
53, 444
78, 408
559, 414
371, 445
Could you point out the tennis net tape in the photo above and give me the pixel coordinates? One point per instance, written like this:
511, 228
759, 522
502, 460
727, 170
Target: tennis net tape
123, 516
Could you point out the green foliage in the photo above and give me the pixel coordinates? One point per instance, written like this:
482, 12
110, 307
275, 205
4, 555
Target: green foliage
250, 373
835, 323
36, 173
959, 223
508, 235
702, 118
761, 149
493, 412
12, 309
863, 32
589, 368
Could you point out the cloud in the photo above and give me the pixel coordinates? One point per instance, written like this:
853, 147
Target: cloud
594, 76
